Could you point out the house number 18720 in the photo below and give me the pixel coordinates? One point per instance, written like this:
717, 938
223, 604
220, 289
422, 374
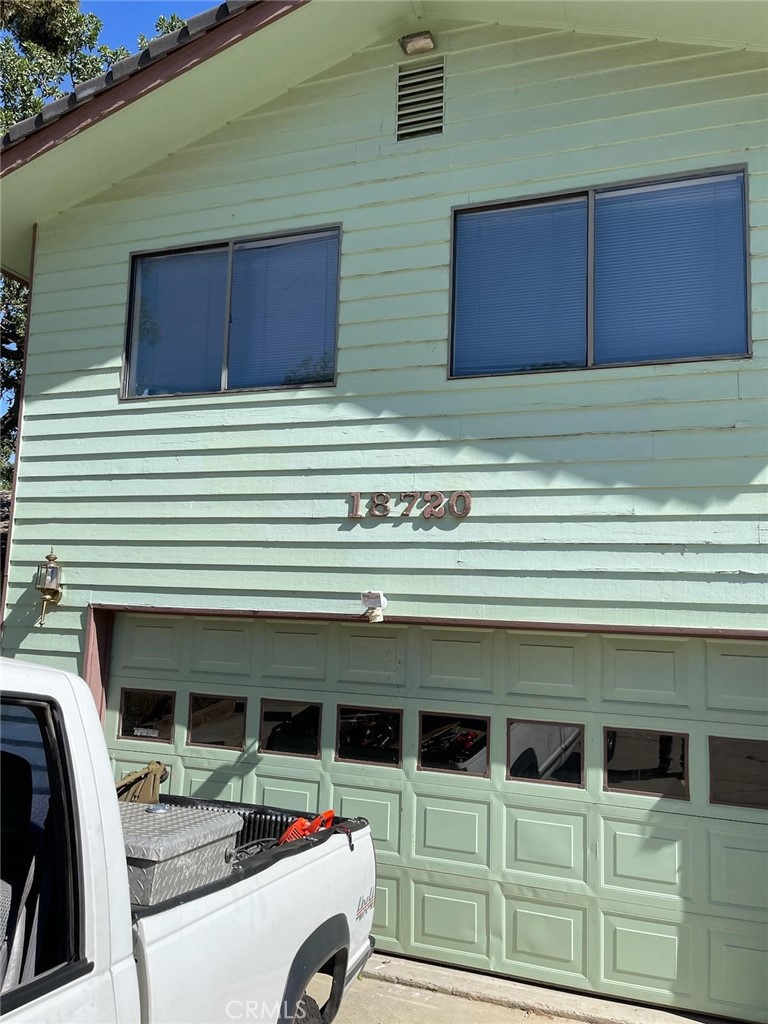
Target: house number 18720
459, 504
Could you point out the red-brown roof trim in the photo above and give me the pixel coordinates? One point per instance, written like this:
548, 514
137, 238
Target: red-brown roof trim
145, 79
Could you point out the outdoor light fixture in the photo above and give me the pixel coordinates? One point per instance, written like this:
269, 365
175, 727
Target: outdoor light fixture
374, 603
417, 43
48, 582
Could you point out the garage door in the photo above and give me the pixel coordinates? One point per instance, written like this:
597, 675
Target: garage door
579, 810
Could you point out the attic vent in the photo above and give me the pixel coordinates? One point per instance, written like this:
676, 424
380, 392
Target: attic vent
420, 99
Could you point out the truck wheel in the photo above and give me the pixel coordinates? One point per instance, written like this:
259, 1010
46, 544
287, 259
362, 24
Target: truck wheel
308, 1012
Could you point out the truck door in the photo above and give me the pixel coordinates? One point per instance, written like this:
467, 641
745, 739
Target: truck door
50, 966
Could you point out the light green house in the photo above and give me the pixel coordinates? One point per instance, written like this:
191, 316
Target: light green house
481, 328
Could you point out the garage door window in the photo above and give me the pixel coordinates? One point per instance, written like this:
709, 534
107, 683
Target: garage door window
545, 752
453, 743
217, 721
290, 727
146, 715
738, 771
645, 762
370, 735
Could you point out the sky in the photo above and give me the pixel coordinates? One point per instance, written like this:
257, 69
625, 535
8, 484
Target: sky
124, 20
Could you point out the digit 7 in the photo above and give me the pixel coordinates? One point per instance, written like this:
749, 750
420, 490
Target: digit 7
414, 496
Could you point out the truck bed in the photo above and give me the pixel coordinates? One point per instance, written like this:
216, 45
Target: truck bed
255, 847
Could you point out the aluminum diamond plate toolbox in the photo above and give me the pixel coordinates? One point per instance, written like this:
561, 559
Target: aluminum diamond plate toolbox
175, 850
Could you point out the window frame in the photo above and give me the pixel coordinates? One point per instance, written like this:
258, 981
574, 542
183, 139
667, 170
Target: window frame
589, 192
228, 245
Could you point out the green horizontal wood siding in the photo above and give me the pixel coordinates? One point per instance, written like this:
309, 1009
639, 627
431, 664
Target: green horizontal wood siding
626, 495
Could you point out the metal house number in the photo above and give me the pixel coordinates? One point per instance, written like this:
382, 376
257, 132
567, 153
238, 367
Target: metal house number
458, 505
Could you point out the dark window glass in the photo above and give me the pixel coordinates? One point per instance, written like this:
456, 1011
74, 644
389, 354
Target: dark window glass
738, 771
178, 329
638, 761
545, 751
20, 733
146, 715
454, 743
39, 844
217, 721
521, 289
369, 734
658, 274
283, 327
670, 273
290, 727
257, 314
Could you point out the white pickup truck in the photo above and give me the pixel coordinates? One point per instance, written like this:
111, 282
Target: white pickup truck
79, 947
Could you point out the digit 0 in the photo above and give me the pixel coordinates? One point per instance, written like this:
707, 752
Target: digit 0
466, 504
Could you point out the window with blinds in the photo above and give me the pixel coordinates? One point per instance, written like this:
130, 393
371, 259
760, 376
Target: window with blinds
653, 272
242, 315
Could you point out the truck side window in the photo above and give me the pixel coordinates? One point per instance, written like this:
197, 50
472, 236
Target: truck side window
39, 904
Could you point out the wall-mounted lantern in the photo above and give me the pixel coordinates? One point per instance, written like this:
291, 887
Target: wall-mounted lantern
48, 582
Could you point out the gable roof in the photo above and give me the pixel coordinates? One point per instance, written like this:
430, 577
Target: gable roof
172, 94
157, 50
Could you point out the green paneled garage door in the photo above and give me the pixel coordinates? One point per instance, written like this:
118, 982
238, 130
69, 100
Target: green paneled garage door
578, 810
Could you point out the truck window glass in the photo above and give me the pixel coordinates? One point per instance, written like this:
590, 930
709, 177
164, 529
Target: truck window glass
38, 882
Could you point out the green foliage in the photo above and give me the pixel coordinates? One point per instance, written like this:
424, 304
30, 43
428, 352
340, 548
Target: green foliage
46, 48
162, 27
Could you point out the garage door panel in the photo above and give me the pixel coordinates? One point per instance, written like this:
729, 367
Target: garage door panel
295, 652
382, 809
648, 860
451, 919
372, 658
738, 979
646, 671
737, 677
547, 940
221, 647
456, 662
213, 784
647, 953
292, 793
545, 666
546, 876
543, 844
387, 916
452, 830
738, 864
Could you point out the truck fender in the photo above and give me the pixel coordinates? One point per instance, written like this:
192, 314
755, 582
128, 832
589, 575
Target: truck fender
328, 939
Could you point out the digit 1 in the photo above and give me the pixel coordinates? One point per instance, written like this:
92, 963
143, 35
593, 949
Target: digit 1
355, 513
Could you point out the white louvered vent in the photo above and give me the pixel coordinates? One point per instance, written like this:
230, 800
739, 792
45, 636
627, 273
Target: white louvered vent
420, 99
